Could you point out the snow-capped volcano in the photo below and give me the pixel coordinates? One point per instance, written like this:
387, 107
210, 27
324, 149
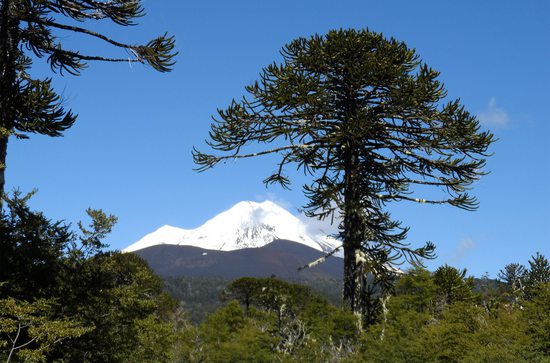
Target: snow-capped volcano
245, 225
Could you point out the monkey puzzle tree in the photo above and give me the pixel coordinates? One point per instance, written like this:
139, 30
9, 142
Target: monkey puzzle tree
32, 29
452, 285
537, 274
513, 276
363, 116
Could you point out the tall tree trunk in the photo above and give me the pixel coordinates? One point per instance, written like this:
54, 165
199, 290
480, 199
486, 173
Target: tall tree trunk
3, 154
353, 225
353, 230
9, 29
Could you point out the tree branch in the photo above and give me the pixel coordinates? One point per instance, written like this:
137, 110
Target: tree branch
78, 30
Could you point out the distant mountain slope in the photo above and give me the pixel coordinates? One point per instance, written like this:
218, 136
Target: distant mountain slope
245, 225
281, 258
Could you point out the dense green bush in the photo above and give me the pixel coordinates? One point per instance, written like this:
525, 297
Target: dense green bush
64, 299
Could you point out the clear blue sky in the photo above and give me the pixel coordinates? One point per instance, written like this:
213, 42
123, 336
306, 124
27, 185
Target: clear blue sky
130, 151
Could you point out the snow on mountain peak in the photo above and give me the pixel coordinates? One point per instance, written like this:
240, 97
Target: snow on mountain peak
245, 225
164, 235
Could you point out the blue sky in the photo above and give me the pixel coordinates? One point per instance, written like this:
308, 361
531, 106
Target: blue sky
130, 151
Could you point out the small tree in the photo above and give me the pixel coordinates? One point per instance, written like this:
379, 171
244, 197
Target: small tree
537, 274
362, 115
452, 285
29, 28
513, 276
245, 290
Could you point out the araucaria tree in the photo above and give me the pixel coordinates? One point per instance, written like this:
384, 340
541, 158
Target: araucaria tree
365, 118
31, 29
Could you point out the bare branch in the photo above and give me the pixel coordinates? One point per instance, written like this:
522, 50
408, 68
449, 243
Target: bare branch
320, 260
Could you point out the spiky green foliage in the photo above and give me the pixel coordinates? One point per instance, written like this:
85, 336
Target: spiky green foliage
31, 29
537, 274
539, 270
513, 275
364, 117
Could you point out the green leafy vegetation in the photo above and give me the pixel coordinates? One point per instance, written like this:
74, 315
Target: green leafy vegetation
30, 331
63, 298
422, 322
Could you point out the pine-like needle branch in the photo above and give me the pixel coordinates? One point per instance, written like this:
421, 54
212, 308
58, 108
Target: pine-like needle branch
34, 28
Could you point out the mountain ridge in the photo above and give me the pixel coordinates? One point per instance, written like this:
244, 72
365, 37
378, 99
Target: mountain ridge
279, 258
245, 225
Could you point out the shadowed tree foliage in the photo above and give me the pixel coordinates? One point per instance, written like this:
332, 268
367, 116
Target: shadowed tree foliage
31, 29
245, 290
31, 251
365, 118
62, 298
271, 294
